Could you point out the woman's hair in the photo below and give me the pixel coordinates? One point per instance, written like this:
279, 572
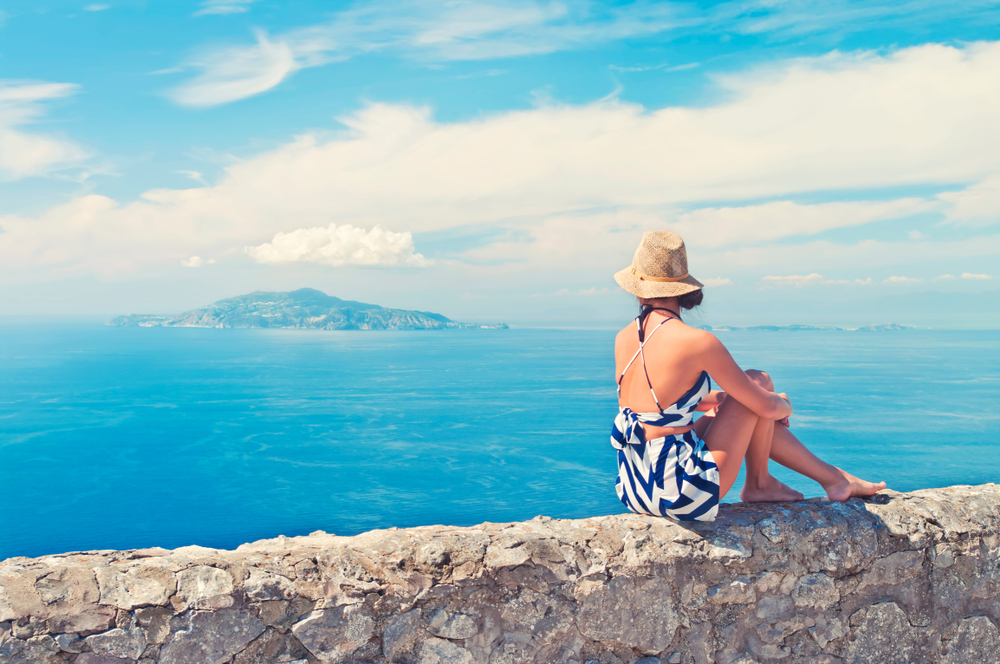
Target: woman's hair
686, 301
691, 300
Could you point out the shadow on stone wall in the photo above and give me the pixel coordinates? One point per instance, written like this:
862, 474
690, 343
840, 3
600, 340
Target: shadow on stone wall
902, 578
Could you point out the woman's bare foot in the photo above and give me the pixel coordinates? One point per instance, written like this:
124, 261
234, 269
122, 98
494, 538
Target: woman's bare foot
769, 491
849, 486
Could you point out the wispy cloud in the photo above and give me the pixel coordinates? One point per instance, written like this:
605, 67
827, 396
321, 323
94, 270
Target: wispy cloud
238, 73
968, 275
23, 153
194, 175
714, 227
224, 7
716, 282
977, 206
664, 67
801, 17
902, 280
96, 8
340, 245
492, 29
462, 30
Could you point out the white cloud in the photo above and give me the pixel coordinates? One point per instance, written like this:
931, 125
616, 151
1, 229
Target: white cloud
96, 8
917, 235
224, 7
902, 280
574, 184
713, 227
194, 261
944, 277
237, 73
716, 282
978, 205
968, 275
340, 245
22, 153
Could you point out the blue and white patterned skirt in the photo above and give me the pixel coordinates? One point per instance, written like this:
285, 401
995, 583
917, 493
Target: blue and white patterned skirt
673, 476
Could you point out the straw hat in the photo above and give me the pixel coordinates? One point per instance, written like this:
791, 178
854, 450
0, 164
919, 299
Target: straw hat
659, 268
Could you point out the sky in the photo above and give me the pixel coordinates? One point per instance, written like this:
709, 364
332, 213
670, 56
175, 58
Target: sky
827, 162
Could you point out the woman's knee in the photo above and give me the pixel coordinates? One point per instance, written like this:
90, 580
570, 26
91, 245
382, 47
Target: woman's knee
762, 378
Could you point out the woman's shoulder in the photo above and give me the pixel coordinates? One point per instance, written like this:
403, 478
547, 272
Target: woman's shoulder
697, 338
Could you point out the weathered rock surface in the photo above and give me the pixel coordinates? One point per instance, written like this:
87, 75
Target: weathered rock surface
902, 578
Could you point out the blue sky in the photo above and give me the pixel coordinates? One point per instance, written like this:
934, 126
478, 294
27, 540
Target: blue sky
826, 162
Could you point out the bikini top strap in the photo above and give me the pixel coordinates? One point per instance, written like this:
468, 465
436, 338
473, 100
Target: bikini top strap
642, 342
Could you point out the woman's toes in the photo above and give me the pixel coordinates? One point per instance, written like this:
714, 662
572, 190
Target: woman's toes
850, 486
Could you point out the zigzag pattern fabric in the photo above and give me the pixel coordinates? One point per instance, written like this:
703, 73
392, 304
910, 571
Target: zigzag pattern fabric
673, 476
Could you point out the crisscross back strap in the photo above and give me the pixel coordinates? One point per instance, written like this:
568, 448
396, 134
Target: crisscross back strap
643, 339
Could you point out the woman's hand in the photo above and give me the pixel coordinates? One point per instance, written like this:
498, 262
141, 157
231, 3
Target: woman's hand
784, 422
788, 402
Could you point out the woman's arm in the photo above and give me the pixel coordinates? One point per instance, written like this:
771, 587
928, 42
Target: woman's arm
714, 399
723, 368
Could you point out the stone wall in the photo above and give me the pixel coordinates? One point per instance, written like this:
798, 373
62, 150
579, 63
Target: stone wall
907, 578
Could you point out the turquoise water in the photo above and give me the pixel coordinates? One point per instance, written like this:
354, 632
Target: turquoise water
131, 437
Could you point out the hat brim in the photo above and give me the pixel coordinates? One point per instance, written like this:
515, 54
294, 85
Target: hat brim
631, 282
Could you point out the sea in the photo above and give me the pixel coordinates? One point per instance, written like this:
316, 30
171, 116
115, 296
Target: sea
117, 438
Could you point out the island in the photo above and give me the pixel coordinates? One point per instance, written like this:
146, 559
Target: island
302, 309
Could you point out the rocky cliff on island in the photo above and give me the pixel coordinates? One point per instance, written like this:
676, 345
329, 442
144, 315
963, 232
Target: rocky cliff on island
305, 308
903, 578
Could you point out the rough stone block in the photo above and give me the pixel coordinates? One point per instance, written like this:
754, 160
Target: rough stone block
210, 637
886, 636
637, 613
126, 644
130, 587
334, 635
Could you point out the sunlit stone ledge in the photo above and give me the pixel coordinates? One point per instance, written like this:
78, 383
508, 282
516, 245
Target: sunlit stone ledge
906, 578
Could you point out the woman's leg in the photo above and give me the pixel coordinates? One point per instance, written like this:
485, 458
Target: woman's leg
736, 433
789, 451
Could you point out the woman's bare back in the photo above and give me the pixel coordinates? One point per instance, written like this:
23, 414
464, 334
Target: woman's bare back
671, 356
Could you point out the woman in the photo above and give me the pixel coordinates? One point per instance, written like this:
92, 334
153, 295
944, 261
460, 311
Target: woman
669, 465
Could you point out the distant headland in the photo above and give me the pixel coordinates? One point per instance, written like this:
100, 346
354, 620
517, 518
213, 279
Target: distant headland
305, 308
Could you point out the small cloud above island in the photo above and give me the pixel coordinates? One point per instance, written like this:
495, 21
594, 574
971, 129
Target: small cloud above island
196, 261
341, 245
